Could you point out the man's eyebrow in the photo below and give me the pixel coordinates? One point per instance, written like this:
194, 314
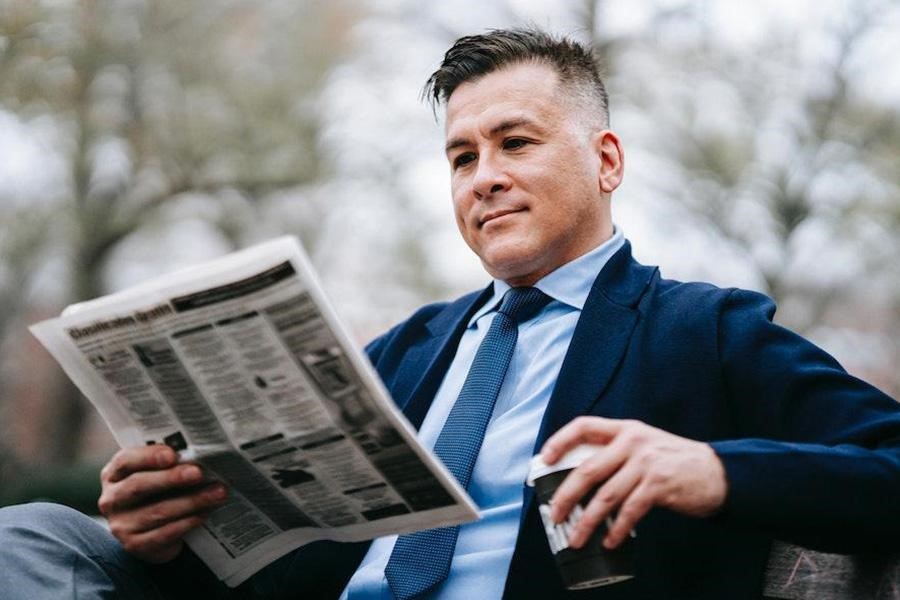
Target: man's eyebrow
511, 124
498, 128
454, 144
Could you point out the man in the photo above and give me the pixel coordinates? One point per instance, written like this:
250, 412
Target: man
720, 430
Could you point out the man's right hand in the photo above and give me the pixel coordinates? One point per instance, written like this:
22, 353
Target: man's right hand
151, 501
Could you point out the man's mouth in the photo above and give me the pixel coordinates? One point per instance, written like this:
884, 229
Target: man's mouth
496, 214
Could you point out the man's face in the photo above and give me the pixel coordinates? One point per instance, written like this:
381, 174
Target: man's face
527, 175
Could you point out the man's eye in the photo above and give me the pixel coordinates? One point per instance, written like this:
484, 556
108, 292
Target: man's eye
463, 159
514, 143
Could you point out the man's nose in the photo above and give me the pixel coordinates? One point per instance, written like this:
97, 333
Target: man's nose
489, 179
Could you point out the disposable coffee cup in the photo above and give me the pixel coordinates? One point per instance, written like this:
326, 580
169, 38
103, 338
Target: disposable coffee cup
592, 565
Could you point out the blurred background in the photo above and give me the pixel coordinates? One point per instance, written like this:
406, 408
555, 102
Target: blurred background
137, 136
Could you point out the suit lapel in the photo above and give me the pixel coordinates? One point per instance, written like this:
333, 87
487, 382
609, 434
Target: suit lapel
425, 364
599, 341
598, 344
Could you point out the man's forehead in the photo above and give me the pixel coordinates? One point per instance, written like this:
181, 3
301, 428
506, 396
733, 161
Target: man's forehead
526, 94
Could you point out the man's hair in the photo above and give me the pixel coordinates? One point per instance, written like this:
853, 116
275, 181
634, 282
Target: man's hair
474, 56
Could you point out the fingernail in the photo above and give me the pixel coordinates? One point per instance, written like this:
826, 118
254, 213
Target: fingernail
191, 473
218, 492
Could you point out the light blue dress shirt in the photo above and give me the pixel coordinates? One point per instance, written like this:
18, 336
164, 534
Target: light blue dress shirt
484, 548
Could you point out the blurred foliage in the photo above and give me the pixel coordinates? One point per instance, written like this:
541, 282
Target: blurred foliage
75, 485
148, 102
766, 150
259, 118
774, 150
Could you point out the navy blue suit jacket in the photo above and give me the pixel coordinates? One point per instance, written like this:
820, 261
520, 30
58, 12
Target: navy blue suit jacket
812, 454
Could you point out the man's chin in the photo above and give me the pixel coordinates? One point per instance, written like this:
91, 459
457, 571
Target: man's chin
513, 267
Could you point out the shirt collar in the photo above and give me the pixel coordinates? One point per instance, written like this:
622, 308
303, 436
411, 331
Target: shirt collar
570, 283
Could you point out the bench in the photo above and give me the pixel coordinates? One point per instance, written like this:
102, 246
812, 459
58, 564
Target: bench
796, 573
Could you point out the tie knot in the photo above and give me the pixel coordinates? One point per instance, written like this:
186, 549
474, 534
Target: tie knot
522, 303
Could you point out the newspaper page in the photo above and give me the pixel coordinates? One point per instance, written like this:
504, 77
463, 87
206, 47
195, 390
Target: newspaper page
242, 366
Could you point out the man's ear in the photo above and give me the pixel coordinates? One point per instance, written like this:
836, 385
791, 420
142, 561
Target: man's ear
612, 160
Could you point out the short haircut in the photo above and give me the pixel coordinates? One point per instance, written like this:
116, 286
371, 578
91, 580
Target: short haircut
474, 56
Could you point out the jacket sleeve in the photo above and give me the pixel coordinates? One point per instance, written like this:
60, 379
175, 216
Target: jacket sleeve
818, 459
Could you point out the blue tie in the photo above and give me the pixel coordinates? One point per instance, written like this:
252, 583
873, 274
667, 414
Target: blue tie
421, 560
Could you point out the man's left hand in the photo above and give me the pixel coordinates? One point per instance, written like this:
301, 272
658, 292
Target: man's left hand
639, 467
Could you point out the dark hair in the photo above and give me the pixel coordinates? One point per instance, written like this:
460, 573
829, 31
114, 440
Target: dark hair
474, 56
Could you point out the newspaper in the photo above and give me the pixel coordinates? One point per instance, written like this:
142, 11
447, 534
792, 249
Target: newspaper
242, 366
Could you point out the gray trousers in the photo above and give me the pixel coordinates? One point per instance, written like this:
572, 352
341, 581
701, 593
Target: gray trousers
48, 551
51, 551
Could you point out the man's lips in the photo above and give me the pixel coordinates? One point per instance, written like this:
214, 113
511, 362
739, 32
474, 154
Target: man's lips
496, 214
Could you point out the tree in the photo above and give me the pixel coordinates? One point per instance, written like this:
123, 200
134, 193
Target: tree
152, 104
781, 159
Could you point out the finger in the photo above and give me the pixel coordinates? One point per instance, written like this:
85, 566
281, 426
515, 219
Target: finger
633, 510
144, 486
163, 544
585, 477
582, 430
610, 495
160, 514
138, 458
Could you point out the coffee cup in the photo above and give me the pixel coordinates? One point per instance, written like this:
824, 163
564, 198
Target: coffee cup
592, 565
